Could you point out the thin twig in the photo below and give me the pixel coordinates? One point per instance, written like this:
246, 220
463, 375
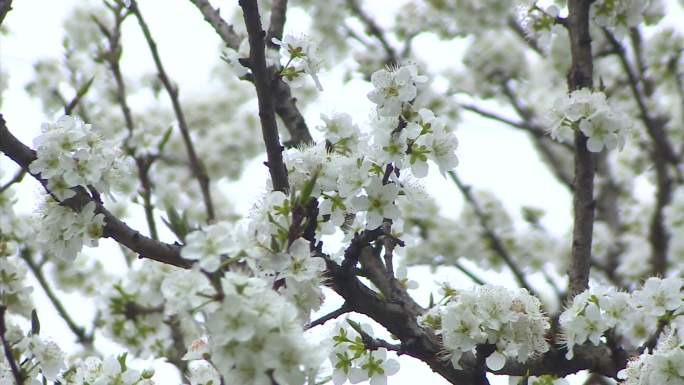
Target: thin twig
198, 169
262, 82
374, 30
496, 243
16, 371
112, 59
81, 335
469, 273
662, 154
223, 29
17, 178
344, 309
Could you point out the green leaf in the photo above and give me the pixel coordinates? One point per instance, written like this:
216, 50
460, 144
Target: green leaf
122, 361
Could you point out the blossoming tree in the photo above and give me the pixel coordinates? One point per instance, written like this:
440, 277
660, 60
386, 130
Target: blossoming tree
596, 84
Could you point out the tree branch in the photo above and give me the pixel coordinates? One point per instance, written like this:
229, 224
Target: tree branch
277, 22
496, 243
114, 227
80, 333
581, 76
344, 309
198, 169
374, 30
17, 178
5, 7
16, 371
662, 153
112, 58
285, 103
262, 82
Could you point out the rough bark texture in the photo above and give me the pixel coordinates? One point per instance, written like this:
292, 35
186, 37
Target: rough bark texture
580, 76
262, 82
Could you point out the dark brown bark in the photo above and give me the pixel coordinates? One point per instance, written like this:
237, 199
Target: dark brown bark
262, 82
581, 76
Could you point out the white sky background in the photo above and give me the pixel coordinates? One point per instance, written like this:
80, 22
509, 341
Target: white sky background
491, 156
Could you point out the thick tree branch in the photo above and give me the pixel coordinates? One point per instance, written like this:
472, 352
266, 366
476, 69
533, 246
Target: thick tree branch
114, 227
285, 103
581, 76
198, 169
262, 82
276, 23
5, 7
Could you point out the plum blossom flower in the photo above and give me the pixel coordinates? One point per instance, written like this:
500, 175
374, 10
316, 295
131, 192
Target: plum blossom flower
379, 203
393, 87
208, 245
300, 53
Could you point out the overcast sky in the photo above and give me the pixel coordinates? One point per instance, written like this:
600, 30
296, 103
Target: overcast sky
491, 156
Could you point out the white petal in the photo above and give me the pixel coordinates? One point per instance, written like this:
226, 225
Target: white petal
496, 361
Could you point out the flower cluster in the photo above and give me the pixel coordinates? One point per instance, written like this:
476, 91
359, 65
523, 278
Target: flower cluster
512, 320
63, 231
634, 315
71, 153
14, 294
255, 334
663, 366
588, 111
137, 312
301, 56
113, 370
619, 15
393, 87
208, 245
352, 361
36, 356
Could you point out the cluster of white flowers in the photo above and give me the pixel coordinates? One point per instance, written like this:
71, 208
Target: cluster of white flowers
540, 23
256, 334
619, 15
634, 315
208, 245
135, 311
15, 295
113, 370
352, 361
37, 356
63, 232
300, 54
71, 153
513, 320
492, 59
662, 367
394, 87
588, 111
